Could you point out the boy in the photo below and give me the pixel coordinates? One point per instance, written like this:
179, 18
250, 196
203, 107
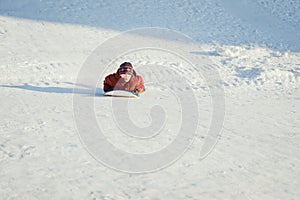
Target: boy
124, 79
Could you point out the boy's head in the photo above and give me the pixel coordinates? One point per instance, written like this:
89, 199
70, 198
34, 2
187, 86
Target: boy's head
126, 70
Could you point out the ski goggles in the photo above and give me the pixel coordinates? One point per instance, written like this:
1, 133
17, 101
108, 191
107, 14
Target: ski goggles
125, 70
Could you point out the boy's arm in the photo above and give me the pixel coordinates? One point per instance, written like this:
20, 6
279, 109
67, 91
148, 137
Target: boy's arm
140, 85
107, 84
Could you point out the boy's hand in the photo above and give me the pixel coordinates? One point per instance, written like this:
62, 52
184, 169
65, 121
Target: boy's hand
135, 91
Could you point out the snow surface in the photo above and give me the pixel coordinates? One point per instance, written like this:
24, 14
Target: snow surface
255, 46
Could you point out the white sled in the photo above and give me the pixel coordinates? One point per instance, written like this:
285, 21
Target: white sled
121, 93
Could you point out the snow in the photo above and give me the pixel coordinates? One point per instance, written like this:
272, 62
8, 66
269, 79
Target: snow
253, 46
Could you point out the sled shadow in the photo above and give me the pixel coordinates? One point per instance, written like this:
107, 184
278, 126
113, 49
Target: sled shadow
89, 91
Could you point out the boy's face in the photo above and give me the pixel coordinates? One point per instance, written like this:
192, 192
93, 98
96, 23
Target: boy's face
126, 77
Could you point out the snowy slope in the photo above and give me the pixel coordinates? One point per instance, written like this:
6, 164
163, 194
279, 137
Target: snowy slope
254, 46
230, 22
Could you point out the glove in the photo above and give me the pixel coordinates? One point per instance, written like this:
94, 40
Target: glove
135, 91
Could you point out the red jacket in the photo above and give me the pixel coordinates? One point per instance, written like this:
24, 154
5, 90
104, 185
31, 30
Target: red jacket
115, 82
